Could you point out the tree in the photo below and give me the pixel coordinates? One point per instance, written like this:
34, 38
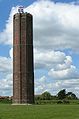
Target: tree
46, 96
61, 94
71, 95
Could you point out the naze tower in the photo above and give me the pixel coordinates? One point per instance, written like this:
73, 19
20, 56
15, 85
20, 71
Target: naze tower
23, 70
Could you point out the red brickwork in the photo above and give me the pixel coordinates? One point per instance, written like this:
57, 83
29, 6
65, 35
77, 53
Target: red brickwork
23, 70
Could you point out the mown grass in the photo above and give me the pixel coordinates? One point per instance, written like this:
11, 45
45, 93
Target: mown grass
39, 111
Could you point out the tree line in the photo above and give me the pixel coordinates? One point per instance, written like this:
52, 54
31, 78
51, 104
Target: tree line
61, 95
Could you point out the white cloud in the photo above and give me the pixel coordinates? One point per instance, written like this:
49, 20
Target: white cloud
64, 70
6, 76
40, 85
6, 85
65, 64
47, 59
69, 73
5, 65
56, 26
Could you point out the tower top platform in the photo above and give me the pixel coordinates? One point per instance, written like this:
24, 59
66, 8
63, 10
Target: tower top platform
17, 15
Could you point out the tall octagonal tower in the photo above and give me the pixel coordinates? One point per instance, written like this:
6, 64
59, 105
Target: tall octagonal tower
23, 69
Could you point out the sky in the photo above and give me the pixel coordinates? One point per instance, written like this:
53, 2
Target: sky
55, 39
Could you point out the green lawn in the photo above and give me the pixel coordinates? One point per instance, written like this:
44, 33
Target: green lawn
39, 111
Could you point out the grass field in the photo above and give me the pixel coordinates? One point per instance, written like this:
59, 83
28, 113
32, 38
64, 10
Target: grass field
39, 112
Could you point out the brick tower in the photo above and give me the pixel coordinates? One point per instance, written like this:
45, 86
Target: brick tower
23, 70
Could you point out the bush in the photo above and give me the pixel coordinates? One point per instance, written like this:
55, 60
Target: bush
66, 102
5, 101
59, 102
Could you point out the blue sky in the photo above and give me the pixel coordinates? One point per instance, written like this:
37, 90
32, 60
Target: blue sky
56, 49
